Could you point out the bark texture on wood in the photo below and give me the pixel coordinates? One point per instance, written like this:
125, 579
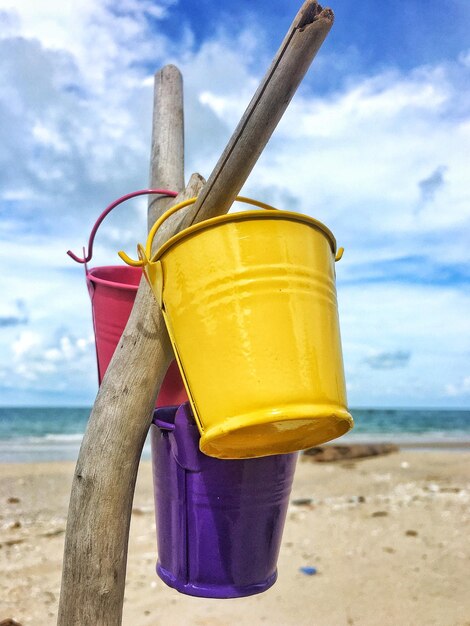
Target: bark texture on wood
303, 40
101, 501
96, 540
296, 53
167, 152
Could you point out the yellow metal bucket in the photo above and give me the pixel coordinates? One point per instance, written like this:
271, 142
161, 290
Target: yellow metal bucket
249, 300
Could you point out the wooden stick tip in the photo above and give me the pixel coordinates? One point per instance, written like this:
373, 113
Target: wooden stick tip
169, 71
311, 12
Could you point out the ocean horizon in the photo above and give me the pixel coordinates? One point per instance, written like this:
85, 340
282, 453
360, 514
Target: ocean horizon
41, 434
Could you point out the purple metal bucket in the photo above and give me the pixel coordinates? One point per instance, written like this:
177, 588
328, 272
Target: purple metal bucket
219, 522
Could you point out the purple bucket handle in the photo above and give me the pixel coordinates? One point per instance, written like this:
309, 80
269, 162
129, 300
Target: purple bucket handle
174, 421
164, 418
128, 196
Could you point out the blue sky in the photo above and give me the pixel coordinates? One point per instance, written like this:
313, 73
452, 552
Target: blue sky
375, 144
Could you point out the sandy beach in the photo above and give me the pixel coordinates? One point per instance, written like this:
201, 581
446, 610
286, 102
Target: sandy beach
388, 537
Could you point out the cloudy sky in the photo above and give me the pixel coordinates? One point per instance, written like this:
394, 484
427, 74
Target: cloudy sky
375, 144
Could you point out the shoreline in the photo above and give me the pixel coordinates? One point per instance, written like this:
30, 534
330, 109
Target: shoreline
70, 454
408, 444
386, 535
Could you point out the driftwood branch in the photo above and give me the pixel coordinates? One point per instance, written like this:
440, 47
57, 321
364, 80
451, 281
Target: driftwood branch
296, 53
303, 40
95, 554
103, 486
167, 152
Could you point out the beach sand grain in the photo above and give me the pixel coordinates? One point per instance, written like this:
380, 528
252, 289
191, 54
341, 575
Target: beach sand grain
382, 540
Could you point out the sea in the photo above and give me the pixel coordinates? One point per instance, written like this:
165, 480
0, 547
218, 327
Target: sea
54, 433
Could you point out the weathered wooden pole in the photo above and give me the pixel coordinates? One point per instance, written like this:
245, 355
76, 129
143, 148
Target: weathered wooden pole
95, 554
97, 531
295, 55
167, 152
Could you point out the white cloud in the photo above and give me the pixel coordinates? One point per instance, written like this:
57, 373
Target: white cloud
76, 116
221, 105
26, 341
13, 313
48, 137
423, 321
381, 100
360, 153
462, 388
50, 361
75, 100
100, 37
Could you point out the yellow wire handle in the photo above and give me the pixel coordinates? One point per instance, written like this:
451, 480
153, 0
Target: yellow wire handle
145, 255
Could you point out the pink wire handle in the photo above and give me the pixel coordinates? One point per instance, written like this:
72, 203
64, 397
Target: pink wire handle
108, 209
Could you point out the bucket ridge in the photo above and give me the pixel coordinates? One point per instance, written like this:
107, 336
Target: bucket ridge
220, 291
250, 304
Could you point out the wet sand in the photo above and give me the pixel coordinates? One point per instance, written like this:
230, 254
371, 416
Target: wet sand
388, 537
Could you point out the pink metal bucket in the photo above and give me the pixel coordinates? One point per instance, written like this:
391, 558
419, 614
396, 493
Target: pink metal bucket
112, 290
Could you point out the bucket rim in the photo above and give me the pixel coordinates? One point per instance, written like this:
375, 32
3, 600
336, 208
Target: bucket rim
90, 276
243, 216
